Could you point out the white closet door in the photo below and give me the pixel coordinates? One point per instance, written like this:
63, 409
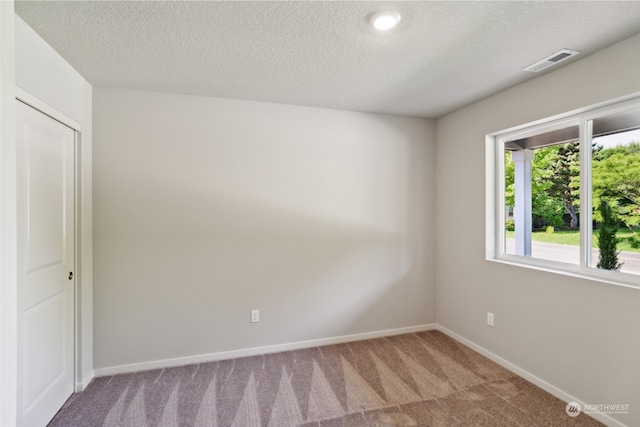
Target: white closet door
46, 150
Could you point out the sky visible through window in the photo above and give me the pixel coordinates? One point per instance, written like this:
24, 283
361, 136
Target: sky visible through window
621, 138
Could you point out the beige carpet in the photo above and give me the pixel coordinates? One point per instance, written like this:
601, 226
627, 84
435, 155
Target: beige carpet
422, 379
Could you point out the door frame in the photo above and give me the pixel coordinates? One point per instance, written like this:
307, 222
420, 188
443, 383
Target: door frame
35, 103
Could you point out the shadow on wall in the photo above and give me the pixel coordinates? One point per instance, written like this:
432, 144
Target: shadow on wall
323, 241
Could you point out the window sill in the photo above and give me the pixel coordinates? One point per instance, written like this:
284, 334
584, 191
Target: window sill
607, 277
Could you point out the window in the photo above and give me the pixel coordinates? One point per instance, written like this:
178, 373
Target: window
564, 194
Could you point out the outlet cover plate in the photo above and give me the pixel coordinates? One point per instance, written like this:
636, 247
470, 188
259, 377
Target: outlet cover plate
490, 320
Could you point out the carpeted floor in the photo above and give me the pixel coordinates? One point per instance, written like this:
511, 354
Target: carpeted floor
422, 379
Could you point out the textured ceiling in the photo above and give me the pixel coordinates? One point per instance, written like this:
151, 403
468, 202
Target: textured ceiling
443, 55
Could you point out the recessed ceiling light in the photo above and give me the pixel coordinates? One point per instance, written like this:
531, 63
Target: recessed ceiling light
385, 20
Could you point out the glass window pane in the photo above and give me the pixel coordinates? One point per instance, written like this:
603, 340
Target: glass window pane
615, 192
542, 196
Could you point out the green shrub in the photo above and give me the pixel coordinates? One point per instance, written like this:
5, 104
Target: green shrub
634, 242
510, 225
607, 240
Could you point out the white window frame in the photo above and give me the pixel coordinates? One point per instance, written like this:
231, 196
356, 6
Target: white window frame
495, 192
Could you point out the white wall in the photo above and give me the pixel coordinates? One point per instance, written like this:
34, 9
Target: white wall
207, 208
46, 75
8, 203
581, 336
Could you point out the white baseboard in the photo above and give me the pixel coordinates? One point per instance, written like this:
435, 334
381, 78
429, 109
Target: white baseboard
202, 358
85, 381
566, 397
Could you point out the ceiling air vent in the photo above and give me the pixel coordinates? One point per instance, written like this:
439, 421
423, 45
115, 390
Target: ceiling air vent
552, 59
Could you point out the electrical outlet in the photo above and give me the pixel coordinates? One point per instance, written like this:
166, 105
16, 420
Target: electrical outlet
255, 316
489, 318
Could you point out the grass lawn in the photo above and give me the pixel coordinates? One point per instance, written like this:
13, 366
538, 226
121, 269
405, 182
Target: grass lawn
572, 237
